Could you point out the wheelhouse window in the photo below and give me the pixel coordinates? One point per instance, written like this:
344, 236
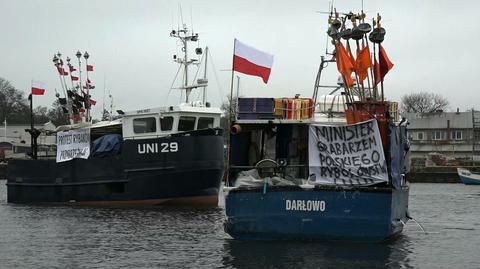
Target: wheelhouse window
166, 123
457, 135
186, 123
438, 135
144, 125
204, 123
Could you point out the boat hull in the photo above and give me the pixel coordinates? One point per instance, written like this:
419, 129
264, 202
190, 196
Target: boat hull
353, 214
468, 178
190, 175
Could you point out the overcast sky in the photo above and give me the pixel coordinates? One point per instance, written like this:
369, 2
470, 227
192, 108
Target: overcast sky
433, 45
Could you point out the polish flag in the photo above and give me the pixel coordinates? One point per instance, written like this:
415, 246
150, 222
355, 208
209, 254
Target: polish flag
89, 67
93, 102
250, 61
74, 78
38, 87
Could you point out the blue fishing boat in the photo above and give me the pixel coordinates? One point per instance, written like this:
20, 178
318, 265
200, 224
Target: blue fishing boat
467, 177
320, 168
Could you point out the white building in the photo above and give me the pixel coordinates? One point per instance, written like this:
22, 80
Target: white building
443, 138
16, 142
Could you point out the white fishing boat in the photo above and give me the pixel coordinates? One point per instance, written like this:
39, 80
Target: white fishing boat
467, 177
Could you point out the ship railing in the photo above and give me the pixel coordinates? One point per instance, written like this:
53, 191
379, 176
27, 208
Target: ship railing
293, 172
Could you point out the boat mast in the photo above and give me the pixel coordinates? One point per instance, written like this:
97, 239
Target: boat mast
185, 36
205, 75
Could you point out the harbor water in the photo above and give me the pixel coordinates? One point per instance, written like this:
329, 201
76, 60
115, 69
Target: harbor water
171, 237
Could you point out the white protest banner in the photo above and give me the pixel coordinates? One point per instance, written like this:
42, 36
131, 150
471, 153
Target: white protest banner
347, 154
73, 144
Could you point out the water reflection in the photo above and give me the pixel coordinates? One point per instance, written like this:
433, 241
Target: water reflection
295, 254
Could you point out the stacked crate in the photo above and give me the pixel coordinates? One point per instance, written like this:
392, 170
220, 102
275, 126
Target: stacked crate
255, 108
294, 108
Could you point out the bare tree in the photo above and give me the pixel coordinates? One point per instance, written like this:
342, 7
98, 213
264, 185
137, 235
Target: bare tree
40, 114
423, 102
57, 115
229, 111
13, 106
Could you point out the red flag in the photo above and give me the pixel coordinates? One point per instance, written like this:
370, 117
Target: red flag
71, 68
384, 62
344, 63
89, 81
362, 63
38, 87
93, 102
89, 67
250, 61
74, 78
62, 71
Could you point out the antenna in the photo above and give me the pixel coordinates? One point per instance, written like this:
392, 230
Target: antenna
104, 88
191, 17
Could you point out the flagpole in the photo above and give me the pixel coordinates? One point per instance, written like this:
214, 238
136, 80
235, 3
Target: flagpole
365, 40
79, 56
356, 75
230, 119
87, 100
33, 139
381, 80
5, 126
375, 88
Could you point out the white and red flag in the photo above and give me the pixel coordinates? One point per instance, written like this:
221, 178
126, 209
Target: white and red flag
250, 61
38, 87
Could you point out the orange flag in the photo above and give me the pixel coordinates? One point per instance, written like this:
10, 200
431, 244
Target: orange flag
384, 62
344, 63
381, 67
362, 63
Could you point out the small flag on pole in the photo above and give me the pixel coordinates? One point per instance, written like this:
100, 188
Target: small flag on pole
89, 67
74, 78
62, 71
250, 61
93, 102
71, 68
38, 87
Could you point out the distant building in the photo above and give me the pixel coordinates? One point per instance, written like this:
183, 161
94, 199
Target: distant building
443, 138
15, 141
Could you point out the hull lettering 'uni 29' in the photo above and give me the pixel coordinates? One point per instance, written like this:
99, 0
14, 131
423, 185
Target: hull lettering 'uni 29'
154, 148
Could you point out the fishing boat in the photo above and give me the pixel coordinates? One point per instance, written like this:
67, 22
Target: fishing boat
328, 167
467, 177
163, 155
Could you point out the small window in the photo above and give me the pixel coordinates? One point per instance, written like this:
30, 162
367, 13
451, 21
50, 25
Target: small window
457, 135
166, 123
438, 135
144, 125
204, 123
186, 123
420, 136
